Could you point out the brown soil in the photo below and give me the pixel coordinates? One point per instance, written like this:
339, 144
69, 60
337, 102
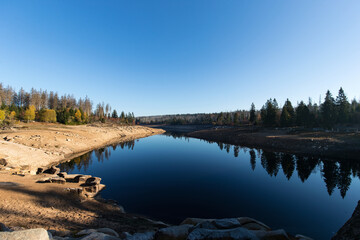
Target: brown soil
25, 203
319, 143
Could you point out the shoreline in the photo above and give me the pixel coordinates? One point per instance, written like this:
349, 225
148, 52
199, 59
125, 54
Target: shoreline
66, 212
39, 145
52, 205
333, 145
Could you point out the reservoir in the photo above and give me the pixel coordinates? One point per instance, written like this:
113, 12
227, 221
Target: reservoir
169, 178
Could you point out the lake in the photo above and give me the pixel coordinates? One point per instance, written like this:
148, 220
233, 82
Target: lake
170, 178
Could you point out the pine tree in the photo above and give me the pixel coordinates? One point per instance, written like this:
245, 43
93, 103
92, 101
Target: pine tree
287, 114
114, 114
302, 115
328, 111
252, 113
343, 107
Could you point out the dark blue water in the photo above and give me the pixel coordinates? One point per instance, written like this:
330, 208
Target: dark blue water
170, 179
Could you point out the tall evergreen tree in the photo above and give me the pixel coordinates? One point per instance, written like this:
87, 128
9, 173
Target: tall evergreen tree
269, 112
287, 117
114, 114
252, 113
343, 107
328, 111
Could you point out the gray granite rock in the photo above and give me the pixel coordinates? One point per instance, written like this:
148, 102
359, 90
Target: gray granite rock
108, 231
99, 236
173, 233
226, 223
29, 234
195, 221
272, 235
225, 234
142, 236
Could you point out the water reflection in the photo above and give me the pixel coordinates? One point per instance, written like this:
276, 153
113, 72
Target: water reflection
84, 161
335, 173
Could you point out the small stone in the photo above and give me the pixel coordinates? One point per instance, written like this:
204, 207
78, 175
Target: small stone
3, 228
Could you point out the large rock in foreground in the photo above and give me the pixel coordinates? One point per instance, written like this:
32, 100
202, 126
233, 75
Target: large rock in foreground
30, 234
351, 229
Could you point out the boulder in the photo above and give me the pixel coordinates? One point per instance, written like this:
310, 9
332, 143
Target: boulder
302, 237
92, 191
108, 231
142, 236
93, 181
252, 224
351, 229
99, 236
195, 221
173, 233
63, 174
85, 232
226, 223
206, 225
225, 234
80, 178
64, 233
52, 170
272, 235
58, 180
29, 234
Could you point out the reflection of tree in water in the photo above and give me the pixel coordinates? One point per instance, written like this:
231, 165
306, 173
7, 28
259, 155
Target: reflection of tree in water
287, 164
252, 159
335, 173
236, 151
270, 162
84, 161
330, 174
176, 135
305, 165
344, 178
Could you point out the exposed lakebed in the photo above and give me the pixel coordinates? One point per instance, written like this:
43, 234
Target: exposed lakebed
170, 178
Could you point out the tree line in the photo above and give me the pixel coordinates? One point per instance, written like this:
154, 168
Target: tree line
332, 111
43, 106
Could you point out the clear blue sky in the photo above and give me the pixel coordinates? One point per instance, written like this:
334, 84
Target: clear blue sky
160, 57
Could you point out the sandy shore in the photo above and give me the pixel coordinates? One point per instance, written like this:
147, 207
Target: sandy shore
28, 204
37, 145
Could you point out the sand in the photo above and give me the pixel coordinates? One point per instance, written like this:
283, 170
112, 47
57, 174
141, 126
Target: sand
37, 145
28, 204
